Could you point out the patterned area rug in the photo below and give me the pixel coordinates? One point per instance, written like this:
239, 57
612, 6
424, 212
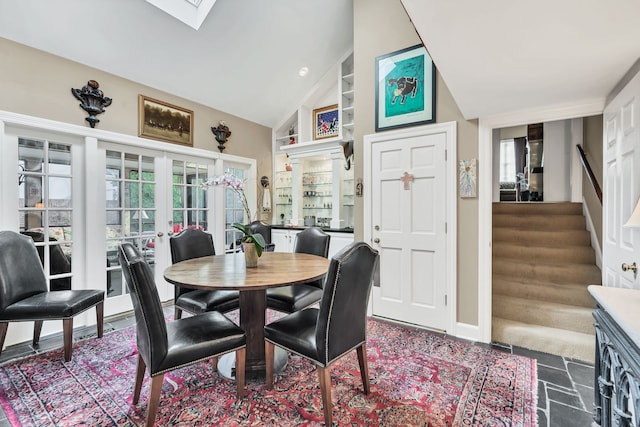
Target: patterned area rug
418, 378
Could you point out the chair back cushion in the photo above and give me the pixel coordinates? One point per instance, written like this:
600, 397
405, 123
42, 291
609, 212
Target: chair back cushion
21, 274
342, 319
259, 227
151, 329
312, 241
191, 243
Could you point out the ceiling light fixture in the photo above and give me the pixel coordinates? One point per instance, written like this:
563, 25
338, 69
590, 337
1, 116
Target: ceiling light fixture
303, 71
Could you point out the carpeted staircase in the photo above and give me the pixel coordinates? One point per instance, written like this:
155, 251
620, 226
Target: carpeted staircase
542, 265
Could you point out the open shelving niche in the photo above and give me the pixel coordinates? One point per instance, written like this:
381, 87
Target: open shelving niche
317, 184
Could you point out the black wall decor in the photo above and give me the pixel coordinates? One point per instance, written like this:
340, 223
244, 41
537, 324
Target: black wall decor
222, 134
92, 100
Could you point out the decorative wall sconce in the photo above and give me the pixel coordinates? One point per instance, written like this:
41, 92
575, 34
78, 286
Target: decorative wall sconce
92, 100
222, 134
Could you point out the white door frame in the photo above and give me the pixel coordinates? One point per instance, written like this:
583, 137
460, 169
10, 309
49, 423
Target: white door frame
451, 201
486, 126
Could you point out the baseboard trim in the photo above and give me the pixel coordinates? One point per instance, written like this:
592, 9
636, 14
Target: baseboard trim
467, 332
594, 238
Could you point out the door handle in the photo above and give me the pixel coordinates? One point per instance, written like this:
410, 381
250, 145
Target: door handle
376, 240
633, 267
160, 234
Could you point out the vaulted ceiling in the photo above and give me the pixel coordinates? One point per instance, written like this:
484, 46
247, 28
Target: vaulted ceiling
496, 56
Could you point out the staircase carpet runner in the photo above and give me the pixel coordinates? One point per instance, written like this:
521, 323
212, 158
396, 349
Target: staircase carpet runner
542, 264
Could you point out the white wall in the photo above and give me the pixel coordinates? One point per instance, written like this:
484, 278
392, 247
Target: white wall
557, 161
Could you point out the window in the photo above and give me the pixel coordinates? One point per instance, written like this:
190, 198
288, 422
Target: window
507, 161
233, 212
130, 204
45, 205
189, 201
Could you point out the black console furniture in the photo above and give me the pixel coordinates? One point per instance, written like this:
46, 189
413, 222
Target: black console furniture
617, 364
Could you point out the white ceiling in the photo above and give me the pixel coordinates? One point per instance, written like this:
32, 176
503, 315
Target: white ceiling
496, 56
502, 56
243, 60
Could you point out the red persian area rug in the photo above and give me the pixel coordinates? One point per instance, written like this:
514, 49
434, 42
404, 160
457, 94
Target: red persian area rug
418, 378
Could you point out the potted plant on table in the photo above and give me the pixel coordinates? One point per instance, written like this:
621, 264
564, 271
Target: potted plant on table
252, 244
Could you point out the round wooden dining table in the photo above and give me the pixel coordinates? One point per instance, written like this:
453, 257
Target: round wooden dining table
229, 272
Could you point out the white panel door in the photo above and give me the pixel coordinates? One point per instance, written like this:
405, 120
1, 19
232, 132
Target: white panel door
621, 185
408, 228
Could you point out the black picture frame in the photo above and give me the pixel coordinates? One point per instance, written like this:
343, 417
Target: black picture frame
405, 92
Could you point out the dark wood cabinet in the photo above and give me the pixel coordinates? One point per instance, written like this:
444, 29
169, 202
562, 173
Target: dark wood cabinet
617, 362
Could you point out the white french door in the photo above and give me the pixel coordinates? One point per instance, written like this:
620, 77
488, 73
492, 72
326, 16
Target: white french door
149, 196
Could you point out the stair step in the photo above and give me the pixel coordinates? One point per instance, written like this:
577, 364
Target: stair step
553, 315
540, 222
551, 340
537, 208
545, 272
573, 294
542, 238
544, 254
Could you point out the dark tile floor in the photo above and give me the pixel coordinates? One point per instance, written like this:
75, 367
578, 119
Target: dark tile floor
565, 386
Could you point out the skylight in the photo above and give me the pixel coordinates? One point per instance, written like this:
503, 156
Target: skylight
191, 12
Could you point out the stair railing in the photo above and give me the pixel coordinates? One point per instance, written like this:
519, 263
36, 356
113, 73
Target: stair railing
589, 172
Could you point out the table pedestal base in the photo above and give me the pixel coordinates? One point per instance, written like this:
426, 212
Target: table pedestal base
227, 366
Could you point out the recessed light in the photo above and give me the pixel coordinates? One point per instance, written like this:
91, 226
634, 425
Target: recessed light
303, 71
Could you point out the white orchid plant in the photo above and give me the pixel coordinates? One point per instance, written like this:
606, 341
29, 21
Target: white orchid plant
236, 185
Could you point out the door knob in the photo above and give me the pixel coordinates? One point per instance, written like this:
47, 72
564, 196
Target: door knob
633, 267
376, 240
160, 234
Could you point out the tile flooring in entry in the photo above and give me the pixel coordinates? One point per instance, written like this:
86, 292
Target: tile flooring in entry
565, 386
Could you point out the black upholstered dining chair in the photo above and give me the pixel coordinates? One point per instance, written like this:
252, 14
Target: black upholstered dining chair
162, 346
325, 334
25, 297
259, 227
288, 299
193, 243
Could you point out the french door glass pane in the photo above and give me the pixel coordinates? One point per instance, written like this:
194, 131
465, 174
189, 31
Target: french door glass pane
130, 211
189, 200
45, 205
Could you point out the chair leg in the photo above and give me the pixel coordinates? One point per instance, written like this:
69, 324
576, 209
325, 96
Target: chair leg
325, 389
3, 333
100, 319
364, 367
178, 313
269, 349
37, 328
240, 370
140, 368
214, 363
67, 332
154, 399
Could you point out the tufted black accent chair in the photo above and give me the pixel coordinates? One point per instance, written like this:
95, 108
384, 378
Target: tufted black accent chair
259, 227
24, 295
193, 243
288, 299
163, 346
323, 335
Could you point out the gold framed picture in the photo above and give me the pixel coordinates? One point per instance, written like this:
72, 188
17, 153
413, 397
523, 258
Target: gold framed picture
326, 122
165, 122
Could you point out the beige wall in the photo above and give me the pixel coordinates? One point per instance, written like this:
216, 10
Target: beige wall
381, 27
592, 145
39, 84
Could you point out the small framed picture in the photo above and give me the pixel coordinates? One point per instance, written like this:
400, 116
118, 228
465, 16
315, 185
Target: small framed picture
326, 122
164, 121
405, 89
